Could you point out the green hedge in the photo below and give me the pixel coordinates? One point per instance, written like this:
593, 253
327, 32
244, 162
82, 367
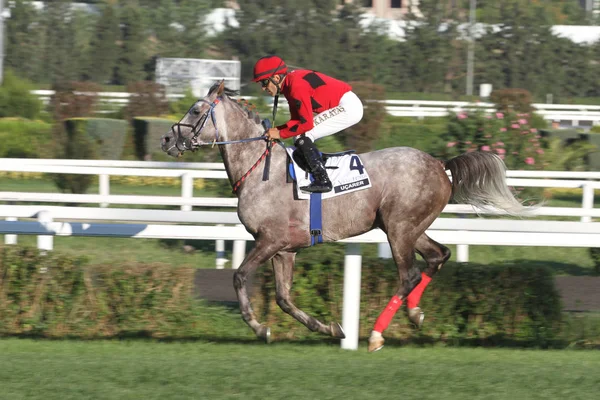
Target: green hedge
147, 132
105, 136
569, 136
60, 296
16, 99
56, 296
23, 138
402, 132
465, 303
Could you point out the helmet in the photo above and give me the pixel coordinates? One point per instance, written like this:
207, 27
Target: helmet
268, 66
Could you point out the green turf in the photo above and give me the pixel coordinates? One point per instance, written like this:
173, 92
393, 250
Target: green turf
202, 370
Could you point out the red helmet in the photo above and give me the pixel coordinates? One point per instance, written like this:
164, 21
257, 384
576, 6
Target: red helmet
268, 66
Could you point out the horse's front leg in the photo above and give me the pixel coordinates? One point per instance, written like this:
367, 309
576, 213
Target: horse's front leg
283, 266
260, 254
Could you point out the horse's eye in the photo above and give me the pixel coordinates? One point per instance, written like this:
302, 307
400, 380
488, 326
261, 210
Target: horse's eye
196, 111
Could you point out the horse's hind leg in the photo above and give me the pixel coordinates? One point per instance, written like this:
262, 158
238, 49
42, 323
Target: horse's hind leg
435, 255
408, 278
283, 266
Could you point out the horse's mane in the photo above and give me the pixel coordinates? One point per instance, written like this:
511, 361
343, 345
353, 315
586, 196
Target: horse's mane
248, 108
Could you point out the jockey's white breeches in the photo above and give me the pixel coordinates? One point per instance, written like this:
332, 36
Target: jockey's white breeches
348, 113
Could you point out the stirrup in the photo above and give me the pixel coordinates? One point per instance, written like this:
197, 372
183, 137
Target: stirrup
317, 187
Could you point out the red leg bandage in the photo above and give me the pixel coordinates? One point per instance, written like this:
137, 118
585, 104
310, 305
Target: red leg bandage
387, 314
414, 297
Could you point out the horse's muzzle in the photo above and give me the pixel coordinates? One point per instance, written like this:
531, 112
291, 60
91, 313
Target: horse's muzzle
168, 144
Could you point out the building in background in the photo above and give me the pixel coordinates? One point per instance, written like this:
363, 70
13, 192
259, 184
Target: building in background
388, 9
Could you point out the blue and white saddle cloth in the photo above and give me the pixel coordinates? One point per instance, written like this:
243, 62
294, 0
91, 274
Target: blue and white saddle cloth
346, 172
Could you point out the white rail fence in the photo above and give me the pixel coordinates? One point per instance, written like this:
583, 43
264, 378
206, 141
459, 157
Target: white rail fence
587, 181
575, 115
47, 221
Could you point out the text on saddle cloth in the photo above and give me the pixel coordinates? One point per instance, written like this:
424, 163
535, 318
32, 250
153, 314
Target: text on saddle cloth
347, 174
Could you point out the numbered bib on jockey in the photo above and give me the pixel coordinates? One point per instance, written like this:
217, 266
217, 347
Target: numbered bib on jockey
347, 174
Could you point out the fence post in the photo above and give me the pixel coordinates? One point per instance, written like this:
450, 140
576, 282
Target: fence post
351, 307
239, 252
104, 187
220, 249
462, 252
10, 239
384, 250
45, 242
587, 202
187, 190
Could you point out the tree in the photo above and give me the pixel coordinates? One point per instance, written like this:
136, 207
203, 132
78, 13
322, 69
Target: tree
60, 35
24, 41
104, 49
178, 28
130, 64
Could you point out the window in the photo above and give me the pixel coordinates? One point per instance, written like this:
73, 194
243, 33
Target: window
396, 3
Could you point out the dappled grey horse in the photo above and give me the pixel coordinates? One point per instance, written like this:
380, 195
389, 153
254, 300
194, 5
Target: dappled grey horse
409, 191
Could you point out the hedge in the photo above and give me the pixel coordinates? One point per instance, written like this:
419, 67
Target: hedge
569, 136
147, 132
105, 136
465, 303
398, 132
23, 138
60, 296
56, 296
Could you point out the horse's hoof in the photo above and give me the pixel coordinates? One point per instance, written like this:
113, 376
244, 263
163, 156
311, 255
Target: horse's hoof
375, 344
416, 316
337, 331
264, 332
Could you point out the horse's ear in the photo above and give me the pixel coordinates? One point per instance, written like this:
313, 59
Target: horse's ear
221, 88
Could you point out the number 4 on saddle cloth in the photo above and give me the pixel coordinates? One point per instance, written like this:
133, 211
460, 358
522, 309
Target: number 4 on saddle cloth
346, 173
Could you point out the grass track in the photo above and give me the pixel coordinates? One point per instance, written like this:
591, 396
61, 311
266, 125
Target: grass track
201, 370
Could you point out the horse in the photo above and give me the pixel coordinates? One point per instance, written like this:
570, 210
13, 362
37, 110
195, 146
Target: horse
410, 188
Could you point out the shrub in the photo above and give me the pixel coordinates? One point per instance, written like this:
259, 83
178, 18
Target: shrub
22, 138
180, 107
74, 99
465, 303
16, 99
422, 136
147, 98
595, 254
512, 100
512, 136
106, 136
58, 296
363, 135
147, 132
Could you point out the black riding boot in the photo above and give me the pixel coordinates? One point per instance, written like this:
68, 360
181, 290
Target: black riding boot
321, 182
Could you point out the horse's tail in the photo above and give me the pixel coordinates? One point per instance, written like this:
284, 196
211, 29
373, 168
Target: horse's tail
479, 179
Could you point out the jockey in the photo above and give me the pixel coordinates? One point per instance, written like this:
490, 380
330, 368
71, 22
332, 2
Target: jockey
308, 92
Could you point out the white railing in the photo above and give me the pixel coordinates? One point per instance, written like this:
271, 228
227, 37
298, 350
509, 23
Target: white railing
221, 226
409, 108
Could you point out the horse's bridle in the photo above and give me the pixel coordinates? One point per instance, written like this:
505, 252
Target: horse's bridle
197, 129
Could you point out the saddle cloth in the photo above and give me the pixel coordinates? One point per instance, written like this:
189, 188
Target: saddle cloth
346, 172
